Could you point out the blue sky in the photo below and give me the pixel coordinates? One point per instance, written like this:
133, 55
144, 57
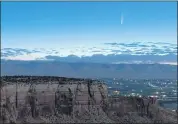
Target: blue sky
55, 24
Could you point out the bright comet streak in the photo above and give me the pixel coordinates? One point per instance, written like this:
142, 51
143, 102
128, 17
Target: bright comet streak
122, 19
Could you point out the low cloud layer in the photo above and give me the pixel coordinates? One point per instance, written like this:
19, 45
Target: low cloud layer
104, 53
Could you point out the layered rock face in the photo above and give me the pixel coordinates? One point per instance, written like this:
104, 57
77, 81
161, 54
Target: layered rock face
57, 100
65, 100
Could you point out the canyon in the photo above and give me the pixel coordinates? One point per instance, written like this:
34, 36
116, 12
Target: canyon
47, 99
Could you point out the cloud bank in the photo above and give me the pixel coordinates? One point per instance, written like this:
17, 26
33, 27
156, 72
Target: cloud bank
111, 52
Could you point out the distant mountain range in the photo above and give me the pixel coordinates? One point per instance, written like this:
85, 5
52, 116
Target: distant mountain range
108, 60
131, 52
88, 70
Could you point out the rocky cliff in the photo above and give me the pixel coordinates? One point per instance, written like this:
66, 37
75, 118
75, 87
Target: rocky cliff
26, 99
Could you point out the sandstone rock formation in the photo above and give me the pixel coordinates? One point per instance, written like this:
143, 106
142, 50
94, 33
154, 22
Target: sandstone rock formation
69, 100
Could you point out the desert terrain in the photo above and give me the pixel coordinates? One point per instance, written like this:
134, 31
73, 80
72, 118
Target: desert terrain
45, 99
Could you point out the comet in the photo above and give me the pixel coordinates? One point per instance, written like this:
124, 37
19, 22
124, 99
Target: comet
122, 19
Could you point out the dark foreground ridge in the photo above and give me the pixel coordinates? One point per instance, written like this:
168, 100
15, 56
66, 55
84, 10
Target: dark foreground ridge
40, 79
44, 99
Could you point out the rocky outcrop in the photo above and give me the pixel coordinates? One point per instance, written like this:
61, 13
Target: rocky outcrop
33, 98
69, 100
